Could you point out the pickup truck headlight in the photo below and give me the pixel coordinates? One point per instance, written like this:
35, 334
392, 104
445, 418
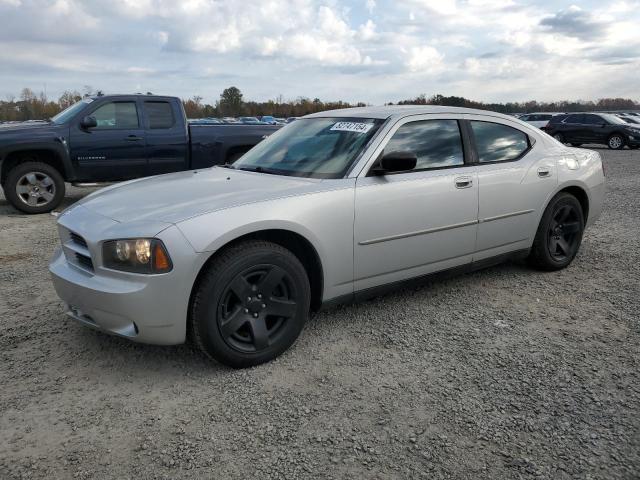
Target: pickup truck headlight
136, 255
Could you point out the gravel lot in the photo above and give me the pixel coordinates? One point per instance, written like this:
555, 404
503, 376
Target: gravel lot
504, 373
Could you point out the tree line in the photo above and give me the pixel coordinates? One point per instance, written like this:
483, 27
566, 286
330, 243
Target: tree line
231, 103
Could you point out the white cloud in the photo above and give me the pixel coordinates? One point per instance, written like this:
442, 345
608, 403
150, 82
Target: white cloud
367, 31
367, 50
425, 59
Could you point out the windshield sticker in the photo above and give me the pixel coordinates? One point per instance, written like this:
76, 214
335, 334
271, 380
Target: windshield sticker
88, 100
352, 127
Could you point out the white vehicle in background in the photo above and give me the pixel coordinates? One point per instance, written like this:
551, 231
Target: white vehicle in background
539, 120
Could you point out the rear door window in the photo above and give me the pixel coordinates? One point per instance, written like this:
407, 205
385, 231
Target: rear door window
498, 143
159, 115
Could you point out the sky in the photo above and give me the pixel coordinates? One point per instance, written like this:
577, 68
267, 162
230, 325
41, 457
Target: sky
374, 51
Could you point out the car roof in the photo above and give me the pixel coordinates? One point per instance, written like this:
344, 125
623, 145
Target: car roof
399, 111
122, 96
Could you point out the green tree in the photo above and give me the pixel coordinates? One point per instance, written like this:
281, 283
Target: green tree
231, 102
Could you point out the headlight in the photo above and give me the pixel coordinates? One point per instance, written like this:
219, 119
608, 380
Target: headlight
138, 255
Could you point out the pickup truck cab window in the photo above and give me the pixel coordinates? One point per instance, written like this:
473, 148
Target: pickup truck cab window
436, 143
159, 115
116, 115
311, 147
496, 142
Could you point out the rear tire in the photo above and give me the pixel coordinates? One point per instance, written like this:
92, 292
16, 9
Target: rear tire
251, 304
559, 234
615, 142
34, 187
559, 137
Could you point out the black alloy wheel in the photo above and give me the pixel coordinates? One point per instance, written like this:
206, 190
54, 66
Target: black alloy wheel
559, 233
564, 233
250, 304
255, 307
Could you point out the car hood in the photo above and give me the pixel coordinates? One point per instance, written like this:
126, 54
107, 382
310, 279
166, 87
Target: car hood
178, 196
30, 132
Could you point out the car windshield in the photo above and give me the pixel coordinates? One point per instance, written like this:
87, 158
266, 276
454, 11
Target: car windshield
312, 147
70, 112
612, 119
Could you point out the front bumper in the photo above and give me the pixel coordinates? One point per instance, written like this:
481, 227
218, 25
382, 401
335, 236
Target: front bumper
633, 140
139, 310
144, 308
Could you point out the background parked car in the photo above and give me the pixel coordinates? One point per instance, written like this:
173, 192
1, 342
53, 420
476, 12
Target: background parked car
539, 120
249, 121
269, 119
603, 128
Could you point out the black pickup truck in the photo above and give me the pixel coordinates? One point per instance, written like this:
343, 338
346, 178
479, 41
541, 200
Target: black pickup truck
111, 138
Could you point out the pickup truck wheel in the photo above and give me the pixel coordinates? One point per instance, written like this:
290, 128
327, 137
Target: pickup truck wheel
559, 234
34, 187
251, 304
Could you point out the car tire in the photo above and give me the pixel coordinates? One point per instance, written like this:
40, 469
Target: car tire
615, 142
34, 187
559, 234
250, 304
559, 137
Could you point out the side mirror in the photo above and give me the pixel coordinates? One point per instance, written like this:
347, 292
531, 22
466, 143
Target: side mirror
396, 162
89, 122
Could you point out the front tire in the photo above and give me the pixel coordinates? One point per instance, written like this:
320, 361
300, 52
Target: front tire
251, 304
559, 234
34, 187
615, 142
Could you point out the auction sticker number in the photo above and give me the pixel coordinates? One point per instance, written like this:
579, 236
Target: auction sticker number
352, 127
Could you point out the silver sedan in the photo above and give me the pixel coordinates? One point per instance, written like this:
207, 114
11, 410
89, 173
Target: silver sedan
334, 207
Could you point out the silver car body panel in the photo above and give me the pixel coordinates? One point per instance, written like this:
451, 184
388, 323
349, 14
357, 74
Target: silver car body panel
367, 231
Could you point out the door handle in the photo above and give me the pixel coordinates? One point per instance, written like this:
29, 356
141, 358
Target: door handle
463, 182
544, 172
133, 138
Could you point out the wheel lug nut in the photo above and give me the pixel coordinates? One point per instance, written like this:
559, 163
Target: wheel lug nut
246, 310
259, 295
248, 299
255, 315
264, 305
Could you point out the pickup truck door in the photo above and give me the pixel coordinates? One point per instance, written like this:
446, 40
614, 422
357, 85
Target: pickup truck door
409, 224
167, 137
114, 149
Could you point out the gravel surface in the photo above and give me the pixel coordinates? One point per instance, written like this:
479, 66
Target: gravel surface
503, 373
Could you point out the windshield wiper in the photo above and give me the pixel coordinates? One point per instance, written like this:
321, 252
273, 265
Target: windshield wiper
260, 169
